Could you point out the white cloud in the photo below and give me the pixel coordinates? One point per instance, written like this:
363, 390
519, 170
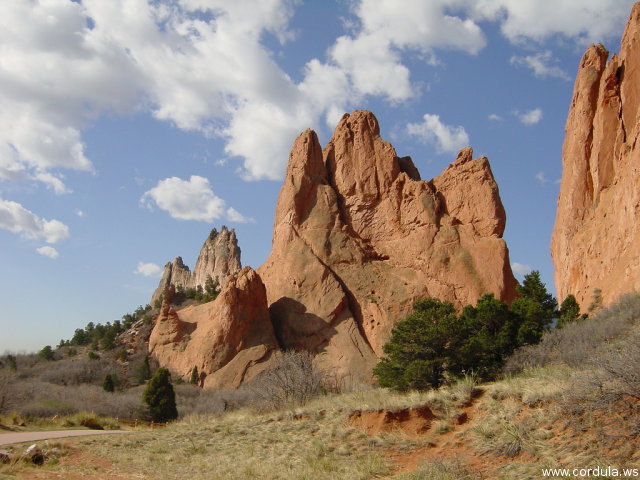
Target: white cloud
521, 269
540, 177
48, 252
79, 212
531, 117
17, 219
203, 65
189, 200
234, 216
583, 21
372, 57
148, 270
540, 63
445, 138
495, 117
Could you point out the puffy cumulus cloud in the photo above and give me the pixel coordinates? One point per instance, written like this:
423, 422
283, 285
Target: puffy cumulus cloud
520, 269
47, 251
531, 117
372, 57
148, 269
17, 219
189, 62
204, 66
583, 21
191, 199
445, 138
540, 64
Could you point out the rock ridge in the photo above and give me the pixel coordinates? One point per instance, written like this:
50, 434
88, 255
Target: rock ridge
358, 237
596, 238
219, 258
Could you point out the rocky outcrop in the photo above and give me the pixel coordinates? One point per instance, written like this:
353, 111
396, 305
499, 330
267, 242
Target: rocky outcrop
230, 340
596, 237
219, 257
358, 237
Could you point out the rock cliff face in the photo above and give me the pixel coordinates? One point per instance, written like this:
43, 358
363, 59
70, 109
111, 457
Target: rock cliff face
219, 257
358, 237
596, 237
229, 340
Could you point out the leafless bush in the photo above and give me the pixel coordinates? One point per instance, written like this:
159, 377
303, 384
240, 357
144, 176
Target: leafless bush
36, 398
7, 396
613, 382
581, 342
194, 400
292, 381
78, 371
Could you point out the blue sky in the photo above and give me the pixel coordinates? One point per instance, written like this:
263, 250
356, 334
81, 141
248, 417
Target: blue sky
130, 128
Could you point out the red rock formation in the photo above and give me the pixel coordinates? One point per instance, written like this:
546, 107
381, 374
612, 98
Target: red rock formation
596, 237
219, 257
229, 340
358, 237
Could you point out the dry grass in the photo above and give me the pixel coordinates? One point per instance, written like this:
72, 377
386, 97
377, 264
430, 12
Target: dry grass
550, 414
439, 470
516, 427
244, 445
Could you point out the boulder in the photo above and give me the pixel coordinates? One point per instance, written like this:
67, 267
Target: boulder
229, 340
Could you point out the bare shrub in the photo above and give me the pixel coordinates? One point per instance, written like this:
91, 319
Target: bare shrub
578, 343
42, 399
192, 400
78, 371
613, 382
293, 381
7, 395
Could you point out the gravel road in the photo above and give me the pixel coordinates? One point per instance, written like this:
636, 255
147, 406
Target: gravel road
20, 437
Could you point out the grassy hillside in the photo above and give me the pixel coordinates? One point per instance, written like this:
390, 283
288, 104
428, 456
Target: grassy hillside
570, 402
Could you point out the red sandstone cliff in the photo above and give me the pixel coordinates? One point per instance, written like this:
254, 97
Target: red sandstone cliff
229, 340
358, 237
596, 237
219, 258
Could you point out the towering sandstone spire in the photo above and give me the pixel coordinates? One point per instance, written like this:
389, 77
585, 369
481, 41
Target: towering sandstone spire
358, 237
596, 237
219, 257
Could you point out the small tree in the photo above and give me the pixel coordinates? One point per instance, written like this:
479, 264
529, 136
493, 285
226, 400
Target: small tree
109, 384
569, 311
194, 376
416, 353
211, 287
46, 353
11, 361
596, 303
160, 397
144, 371
535, 306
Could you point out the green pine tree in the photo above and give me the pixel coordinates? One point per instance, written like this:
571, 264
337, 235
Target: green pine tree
194, 376
569, 311
109, 384
144, 371
160, 397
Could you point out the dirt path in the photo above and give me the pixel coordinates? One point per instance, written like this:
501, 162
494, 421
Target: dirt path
19, 437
